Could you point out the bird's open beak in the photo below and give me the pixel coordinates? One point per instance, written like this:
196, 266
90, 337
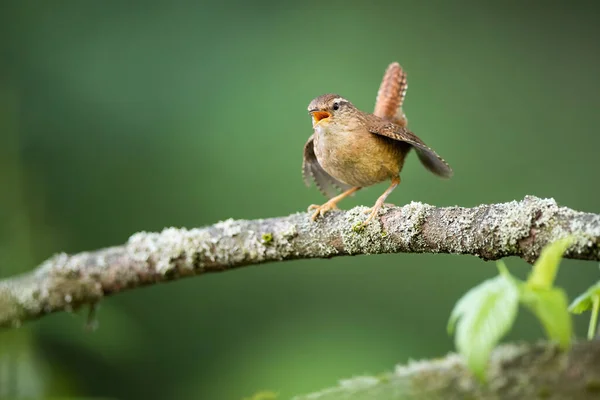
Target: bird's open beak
320, 115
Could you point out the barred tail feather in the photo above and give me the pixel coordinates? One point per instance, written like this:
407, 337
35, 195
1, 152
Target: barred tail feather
391, 94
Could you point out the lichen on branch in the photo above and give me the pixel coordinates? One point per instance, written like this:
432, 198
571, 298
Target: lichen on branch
517, 372
518, 228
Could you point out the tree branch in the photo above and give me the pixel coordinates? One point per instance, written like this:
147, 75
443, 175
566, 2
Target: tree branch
516, 372
488, 231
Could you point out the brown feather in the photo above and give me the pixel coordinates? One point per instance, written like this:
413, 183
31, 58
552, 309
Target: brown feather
391, 94
428, 157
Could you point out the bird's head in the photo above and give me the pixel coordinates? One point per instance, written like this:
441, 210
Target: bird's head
329, 107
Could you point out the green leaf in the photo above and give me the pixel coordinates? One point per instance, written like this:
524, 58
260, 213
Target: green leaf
472, 296
587, 300
550, 307
466, 302
584, 302
482, 317
544, 269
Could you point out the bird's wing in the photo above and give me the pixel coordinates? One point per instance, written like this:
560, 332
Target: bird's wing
311, 168
428, 157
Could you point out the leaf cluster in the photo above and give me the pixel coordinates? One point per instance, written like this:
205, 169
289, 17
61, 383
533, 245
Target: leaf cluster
487, 312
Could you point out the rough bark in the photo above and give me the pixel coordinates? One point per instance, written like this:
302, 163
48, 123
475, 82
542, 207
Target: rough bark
516, 372
518, 228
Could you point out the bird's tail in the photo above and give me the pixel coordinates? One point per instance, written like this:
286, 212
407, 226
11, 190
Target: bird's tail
391, 95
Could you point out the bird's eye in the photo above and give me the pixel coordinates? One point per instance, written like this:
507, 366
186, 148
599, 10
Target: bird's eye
336, 106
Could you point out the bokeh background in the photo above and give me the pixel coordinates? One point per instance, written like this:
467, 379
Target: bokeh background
117, 117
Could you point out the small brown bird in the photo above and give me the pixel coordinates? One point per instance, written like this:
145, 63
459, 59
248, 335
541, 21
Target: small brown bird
351, 149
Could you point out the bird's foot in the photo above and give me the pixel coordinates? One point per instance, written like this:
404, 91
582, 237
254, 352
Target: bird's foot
384, 205
322, 209
372, 212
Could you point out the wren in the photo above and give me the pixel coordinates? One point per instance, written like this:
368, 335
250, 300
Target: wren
351, 149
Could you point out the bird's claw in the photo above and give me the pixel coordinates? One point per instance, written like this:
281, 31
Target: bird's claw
384, 205
321, 209
373, 211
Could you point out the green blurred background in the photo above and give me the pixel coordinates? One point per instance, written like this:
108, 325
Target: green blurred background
117, 117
